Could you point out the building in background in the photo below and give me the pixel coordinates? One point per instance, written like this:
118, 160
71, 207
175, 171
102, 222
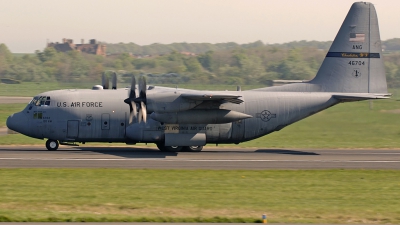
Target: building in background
90, 48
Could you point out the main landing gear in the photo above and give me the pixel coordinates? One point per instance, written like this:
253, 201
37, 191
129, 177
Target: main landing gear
164, 148
52, 145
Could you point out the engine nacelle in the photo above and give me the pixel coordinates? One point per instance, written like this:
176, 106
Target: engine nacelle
203, 116
145, 132
167, 102
185, 134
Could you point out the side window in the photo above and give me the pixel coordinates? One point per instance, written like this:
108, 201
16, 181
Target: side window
38, 115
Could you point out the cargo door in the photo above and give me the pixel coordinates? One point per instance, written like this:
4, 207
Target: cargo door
72, 128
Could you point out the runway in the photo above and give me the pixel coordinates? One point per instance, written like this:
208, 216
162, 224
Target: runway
209, 158
10, 99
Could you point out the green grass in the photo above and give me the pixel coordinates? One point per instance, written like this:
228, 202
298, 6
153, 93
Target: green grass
29, 89
303, 196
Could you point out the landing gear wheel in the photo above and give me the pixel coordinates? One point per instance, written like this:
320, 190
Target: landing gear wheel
161, 147
164, 148
196, 148
52, 145
173, 148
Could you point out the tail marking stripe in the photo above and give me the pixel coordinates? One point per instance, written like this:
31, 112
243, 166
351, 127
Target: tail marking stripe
353, 55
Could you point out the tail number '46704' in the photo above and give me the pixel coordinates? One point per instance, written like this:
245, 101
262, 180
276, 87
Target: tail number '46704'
354, 63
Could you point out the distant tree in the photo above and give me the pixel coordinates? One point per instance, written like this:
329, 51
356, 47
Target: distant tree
392, 44
5, 52
192, 65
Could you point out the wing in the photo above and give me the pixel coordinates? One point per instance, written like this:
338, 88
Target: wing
213, 97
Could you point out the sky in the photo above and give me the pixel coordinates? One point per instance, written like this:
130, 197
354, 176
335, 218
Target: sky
27, 25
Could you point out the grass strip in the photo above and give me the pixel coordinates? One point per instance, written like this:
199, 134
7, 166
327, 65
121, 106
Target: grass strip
144, 195
30, 89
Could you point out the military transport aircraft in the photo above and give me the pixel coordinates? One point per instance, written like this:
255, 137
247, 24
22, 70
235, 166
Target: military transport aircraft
181, 119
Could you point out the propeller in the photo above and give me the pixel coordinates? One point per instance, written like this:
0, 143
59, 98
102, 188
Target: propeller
130, 102
114, 81
137, 102
105, 82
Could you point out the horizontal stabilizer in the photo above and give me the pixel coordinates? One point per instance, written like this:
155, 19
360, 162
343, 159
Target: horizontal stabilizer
351, 97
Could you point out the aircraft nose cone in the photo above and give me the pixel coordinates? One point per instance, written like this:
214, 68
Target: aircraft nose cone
18, 122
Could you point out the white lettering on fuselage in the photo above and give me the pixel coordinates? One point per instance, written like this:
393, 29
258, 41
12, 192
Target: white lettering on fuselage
184, 128
80, 104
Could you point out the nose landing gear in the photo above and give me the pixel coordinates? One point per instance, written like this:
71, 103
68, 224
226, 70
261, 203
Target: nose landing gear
52, 145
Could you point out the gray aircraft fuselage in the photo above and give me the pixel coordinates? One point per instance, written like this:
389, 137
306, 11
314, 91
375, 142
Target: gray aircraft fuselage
102, 116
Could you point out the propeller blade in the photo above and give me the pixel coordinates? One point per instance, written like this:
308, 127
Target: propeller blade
140, 116
142, 88
130, 117
132, 93
134, 111
144, 111
105, 81
114, 81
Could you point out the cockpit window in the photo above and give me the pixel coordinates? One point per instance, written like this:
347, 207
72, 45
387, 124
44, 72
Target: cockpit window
47, 100
34, 100
40, 100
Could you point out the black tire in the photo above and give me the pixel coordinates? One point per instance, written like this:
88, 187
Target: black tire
161, 147
173, 148
196, 148
52, 145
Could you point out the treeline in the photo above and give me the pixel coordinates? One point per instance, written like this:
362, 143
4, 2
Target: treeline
199, 48
236, 66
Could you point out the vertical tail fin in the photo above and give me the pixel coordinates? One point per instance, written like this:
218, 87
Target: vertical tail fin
354, 63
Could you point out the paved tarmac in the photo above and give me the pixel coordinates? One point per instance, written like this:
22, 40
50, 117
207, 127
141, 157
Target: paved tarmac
9, 99
209, 158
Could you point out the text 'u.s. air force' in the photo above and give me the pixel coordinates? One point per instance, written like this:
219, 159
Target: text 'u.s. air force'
80, 104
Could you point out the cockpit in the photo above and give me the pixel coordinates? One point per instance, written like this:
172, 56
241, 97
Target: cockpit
40, 100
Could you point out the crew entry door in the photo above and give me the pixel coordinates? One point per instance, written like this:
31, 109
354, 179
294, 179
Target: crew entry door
72, 128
